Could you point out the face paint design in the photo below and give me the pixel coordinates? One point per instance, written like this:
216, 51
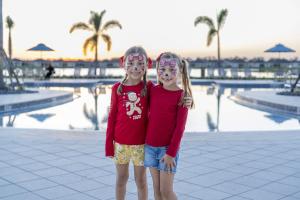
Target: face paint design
138, 57
168, 69
135, 65
137, 60
167, 62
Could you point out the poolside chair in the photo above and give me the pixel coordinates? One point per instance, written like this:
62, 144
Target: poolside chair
77, 71
234, 72
279, 73
247, 72
210, 71
222, 72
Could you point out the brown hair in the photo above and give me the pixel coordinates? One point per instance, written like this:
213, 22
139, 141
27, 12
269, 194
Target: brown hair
185, 79
133, 50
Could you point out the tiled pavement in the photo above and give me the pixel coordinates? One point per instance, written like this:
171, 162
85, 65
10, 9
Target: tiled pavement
64, 165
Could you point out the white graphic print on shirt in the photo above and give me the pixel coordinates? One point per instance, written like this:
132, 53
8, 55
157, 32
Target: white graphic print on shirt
132, 105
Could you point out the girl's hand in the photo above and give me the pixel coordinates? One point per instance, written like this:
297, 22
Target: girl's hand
187, 102
169, 162
110, 157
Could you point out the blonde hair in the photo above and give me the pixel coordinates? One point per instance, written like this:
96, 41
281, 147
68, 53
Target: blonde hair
185, 79
134, 50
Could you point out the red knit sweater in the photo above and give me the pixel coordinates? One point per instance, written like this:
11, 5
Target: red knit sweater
166, 119
127, 119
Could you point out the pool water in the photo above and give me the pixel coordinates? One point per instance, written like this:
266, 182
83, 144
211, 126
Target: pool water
214, 110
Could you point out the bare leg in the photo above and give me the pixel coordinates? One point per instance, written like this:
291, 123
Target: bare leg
156, 183
166, 186
141, 182
122, 178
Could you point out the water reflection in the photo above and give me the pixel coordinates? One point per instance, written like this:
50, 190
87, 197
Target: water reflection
214, 112
92, 114
218, 92
10, 122
41, 117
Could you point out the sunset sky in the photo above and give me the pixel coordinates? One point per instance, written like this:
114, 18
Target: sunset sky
158, 25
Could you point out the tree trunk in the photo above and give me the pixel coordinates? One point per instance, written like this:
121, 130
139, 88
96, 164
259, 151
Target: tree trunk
96, 59
2, 84
10, 71
219, 57
295, 84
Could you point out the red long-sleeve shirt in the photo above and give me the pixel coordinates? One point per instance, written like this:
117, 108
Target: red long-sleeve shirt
167, 119
127, 119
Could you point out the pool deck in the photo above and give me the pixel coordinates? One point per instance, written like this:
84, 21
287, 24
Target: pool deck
33, 101
70, 165
269, 101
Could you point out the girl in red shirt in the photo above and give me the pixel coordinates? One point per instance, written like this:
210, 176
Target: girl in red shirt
167, 119
127, 120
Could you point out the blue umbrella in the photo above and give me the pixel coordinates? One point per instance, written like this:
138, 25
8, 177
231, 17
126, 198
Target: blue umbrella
40, 47
279, 48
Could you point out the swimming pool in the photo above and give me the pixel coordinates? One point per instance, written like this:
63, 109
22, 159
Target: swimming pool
214, 111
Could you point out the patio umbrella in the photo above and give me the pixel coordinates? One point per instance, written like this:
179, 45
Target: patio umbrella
40, 47
279, 48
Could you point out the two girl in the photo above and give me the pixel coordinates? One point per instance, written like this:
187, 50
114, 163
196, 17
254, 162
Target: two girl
128, 116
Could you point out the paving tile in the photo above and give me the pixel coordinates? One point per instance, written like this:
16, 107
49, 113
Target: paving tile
9, 190
55, 192
258, 194
231, 188
251, 181
77, 196
294, 181
20, 177
50, 172
281, 188
209, 194
103, 193
37, 184
84, 185
24, 196
66, 178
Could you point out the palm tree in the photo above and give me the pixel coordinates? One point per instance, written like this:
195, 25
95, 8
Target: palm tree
2, 84
213, 30
98, 31
9, 24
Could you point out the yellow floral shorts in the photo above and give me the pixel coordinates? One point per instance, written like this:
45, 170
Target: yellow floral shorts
124, 153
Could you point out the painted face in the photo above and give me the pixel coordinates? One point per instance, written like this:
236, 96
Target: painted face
168, 71
135, 65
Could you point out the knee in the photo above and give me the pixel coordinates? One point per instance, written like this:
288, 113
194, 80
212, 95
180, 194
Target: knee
157, 195
141, 181
122, 179
166, 193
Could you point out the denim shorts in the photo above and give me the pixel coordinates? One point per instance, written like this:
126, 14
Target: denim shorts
153, 155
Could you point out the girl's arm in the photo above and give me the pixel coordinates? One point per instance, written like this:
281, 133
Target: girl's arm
109, 143
182, 113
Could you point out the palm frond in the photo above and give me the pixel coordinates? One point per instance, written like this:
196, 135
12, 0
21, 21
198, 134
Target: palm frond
210, 36
221, 17
107, 40
9, 22
90, 42
81, 26
111, 24
96, 19
205, 20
